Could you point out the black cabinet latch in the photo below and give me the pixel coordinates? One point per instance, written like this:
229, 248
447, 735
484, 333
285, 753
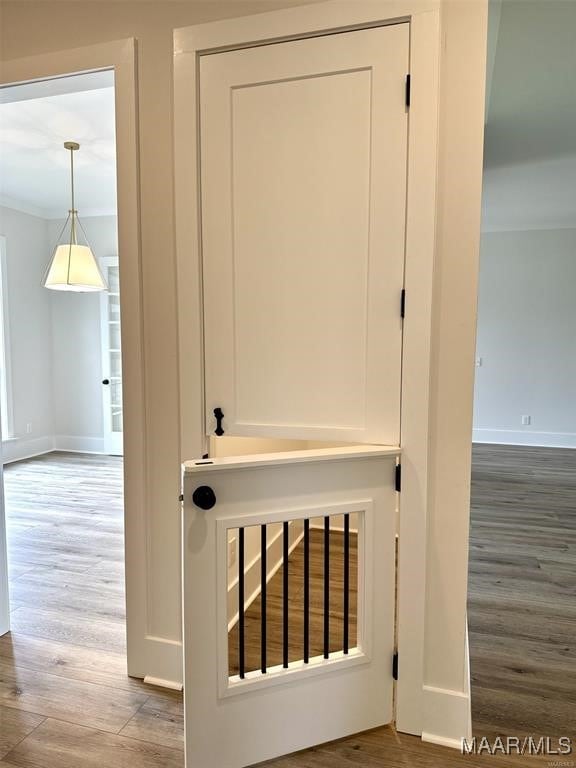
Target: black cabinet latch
219, 416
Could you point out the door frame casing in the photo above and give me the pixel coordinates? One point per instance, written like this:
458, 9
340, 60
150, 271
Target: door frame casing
307, 21
120, 56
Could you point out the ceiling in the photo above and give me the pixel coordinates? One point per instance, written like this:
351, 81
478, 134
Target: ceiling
35, 121
530, 138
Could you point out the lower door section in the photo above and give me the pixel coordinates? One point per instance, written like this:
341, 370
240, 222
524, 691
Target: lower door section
288, 601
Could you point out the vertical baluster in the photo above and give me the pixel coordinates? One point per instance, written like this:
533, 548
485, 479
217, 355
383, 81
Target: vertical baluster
263, 576
285, 555
306, 591
241, 664
346, 582
326, 587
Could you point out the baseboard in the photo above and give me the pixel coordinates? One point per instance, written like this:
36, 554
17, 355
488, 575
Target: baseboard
160, 683
20, 448
76, 444
432, 738
162, 659
524, 437
446, 717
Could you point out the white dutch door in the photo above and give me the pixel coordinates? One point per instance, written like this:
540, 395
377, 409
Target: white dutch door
303, 158
288, 601
289, 557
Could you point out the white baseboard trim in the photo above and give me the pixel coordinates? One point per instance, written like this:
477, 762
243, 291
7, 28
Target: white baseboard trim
432, 738
447, 717
525, 437
76, 444
159, 683
163, 662
19, 448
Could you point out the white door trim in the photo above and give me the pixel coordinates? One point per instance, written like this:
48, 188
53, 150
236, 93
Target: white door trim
120, 56
303, 21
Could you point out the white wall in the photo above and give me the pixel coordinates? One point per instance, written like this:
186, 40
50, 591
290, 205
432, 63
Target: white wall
76, 348
30, 334
527, 338
55, 346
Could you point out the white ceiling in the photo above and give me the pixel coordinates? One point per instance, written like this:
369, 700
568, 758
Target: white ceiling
530, 140
35, 121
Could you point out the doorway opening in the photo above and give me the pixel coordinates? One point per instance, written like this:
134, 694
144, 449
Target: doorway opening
62, 372
523, 510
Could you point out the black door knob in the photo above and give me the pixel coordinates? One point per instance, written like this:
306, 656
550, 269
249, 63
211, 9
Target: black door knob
105, 381
204, 497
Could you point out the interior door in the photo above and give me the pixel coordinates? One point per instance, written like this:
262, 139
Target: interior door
303, 158
111, 359
288, 601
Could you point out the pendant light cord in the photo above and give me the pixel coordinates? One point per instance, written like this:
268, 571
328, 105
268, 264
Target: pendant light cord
73, 211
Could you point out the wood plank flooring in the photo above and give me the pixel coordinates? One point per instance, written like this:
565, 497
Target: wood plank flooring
65, 699
522, 590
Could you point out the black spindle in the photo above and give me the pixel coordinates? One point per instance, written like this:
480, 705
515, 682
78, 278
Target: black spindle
306, 591
326, 587
346, 581
285, 556
241, 664
263, 575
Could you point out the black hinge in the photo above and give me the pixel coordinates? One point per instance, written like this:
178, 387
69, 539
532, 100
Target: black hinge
403, 303
395, 665
181, 497
407, 90
398, 478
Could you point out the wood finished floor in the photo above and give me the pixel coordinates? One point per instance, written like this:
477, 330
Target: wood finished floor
65, 698
66, 701
522, 590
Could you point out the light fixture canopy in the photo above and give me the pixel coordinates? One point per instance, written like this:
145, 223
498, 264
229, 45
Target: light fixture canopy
73, 266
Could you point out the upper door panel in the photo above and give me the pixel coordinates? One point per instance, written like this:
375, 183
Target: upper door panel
303, 157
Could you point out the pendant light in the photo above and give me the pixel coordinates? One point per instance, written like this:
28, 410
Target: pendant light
73, 266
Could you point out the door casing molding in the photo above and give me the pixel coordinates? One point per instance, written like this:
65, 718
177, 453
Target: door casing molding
307, 21
120, 56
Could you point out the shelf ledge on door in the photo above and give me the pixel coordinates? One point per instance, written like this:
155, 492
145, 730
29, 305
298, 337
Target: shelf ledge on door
290, 457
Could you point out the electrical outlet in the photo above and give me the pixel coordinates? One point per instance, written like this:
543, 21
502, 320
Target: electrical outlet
29, 428
525, 421
232, 552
